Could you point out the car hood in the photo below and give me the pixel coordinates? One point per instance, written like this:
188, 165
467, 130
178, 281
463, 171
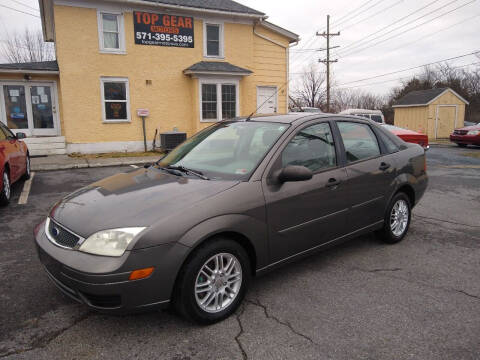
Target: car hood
468, 128
135, 199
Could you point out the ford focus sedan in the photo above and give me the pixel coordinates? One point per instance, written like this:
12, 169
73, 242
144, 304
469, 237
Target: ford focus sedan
235, 200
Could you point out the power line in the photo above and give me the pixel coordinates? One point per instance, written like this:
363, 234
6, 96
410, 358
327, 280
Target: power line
361, 12
20, 11
371, 16
23, 4
411, 68
399, 79
355, 43
410, 29
351, 12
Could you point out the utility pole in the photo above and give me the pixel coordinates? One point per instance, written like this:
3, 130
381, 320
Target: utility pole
327, 61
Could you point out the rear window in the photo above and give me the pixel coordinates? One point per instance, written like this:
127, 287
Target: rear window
359, 141
377, 118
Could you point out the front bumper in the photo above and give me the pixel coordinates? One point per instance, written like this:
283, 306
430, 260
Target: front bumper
465, 139
102, 282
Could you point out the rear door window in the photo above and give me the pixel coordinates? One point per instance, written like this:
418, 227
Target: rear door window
359, 141
376, 118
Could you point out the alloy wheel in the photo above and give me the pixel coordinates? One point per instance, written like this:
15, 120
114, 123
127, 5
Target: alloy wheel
6, 185
218, 282
399, 217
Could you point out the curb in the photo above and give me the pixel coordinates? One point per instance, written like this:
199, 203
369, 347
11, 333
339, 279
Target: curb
89, 164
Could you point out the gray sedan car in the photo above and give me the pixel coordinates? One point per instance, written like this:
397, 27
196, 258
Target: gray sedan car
235, 200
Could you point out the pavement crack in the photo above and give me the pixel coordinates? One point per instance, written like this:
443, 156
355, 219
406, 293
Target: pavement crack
284, 323
447, 221
240, 333
47, 339
381, 269
467, 294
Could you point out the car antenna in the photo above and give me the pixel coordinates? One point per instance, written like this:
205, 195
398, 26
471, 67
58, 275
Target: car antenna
275, 93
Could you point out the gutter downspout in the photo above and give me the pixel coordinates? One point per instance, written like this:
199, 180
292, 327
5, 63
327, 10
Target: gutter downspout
287, 48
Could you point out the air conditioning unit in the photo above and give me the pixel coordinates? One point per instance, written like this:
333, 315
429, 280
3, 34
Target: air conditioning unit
170, 140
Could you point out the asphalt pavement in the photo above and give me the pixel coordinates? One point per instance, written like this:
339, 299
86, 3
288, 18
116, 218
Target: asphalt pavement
419, 299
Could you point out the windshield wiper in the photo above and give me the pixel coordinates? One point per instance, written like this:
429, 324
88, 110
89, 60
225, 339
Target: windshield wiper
188, 171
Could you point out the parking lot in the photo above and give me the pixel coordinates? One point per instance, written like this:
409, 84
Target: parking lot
419, 299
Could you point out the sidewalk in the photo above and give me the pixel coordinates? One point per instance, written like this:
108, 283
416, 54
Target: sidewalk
61, 162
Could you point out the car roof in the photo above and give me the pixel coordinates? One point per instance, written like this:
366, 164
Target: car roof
285, 118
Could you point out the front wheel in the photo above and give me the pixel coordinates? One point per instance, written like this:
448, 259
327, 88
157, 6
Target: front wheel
397, 219
6, 189
213, 282
462, 145
28, 171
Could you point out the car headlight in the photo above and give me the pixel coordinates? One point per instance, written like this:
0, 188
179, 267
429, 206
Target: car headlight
473, 132
111, 242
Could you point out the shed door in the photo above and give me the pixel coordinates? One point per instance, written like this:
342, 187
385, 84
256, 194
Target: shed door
446, 116
266, 99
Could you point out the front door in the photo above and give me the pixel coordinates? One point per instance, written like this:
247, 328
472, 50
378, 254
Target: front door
266, 99
305, 214
446, 116
29, 108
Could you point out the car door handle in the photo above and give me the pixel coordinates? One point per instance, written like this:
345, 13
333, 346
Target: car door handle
384, 166
332, 182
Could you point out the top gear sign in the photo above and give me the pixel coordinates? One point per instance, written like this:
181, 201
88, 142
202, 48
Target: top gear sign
163, 30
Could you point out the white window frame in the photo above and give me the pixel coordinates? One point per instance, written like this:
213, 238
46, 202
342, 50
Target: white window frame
219, 83
104, 80
121, 32
221, 53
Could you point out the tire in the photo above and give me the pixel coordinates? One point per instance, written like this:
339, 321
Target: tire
391, 233
6, 192
462, 145
187, 301
26, 176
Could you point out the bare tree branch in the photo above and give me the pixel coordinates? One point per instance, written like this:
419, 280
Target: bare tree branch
26, 46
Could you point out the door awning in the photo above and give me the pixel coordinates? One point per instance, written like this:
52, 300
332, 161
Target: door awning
216, 68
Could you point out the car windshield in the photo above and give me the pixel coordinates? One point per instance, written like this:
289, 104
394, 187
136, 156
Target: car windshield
227, 151
376, 118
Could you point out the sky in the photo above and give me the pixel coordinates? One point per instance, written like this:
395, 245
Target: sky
370, 41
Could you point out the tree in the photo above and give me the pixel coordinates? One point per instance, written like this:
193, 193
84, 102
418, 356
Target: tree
355, 99
311, 91
26, 46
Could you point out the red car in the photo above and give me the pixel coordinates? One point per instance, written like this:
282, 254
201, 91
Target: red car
409, 136
469, 135
14, 161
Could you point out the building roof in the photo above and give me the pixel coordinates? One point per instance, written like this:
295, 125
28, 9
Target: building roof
216, 67
42, 66
423, 97
221, 5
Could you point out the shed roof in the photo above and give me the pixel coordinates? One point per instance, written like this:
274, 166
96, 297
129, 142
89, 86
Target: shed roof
216, 67
43, 66
424, 97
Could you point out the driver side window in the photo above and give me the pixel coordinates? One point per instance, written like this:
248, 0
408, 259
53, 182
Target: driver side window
312, 147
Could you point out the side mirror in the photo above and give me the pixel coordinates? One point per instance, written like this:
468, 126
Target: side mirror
295, 173
21, 135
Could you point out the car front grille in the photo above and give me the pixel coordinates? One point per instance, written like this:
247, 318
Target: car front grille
460, 132
62, 236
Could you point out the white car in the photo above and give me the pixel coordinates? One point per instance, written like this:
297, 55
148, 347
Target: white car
375, 115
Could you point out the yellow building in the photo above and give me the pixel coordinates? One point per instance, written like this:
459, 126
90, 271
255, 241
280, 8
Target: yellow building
434, 112
189, 62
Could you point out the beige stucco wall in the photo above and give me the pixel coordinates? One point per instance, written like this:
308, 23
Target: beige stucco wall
422, 118
172, 98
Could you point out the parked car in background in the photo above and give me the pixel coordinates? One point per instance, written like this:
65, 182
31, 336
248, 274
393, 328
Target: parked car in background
375, 115
469, 135
14, 161
307, 109
409, 135
235, 200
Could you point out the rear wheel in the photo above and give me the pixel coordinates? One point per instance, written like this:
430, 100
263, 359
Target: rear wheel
397, 219
213, 282
27, 173
6, 189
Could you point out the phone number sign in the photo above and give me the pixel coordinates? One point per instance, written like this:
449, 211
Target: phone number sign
163, 30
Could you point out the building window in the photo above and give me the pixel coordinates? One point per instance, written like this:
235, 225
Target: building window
115, 99
213, 40
111, 32
219, 100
